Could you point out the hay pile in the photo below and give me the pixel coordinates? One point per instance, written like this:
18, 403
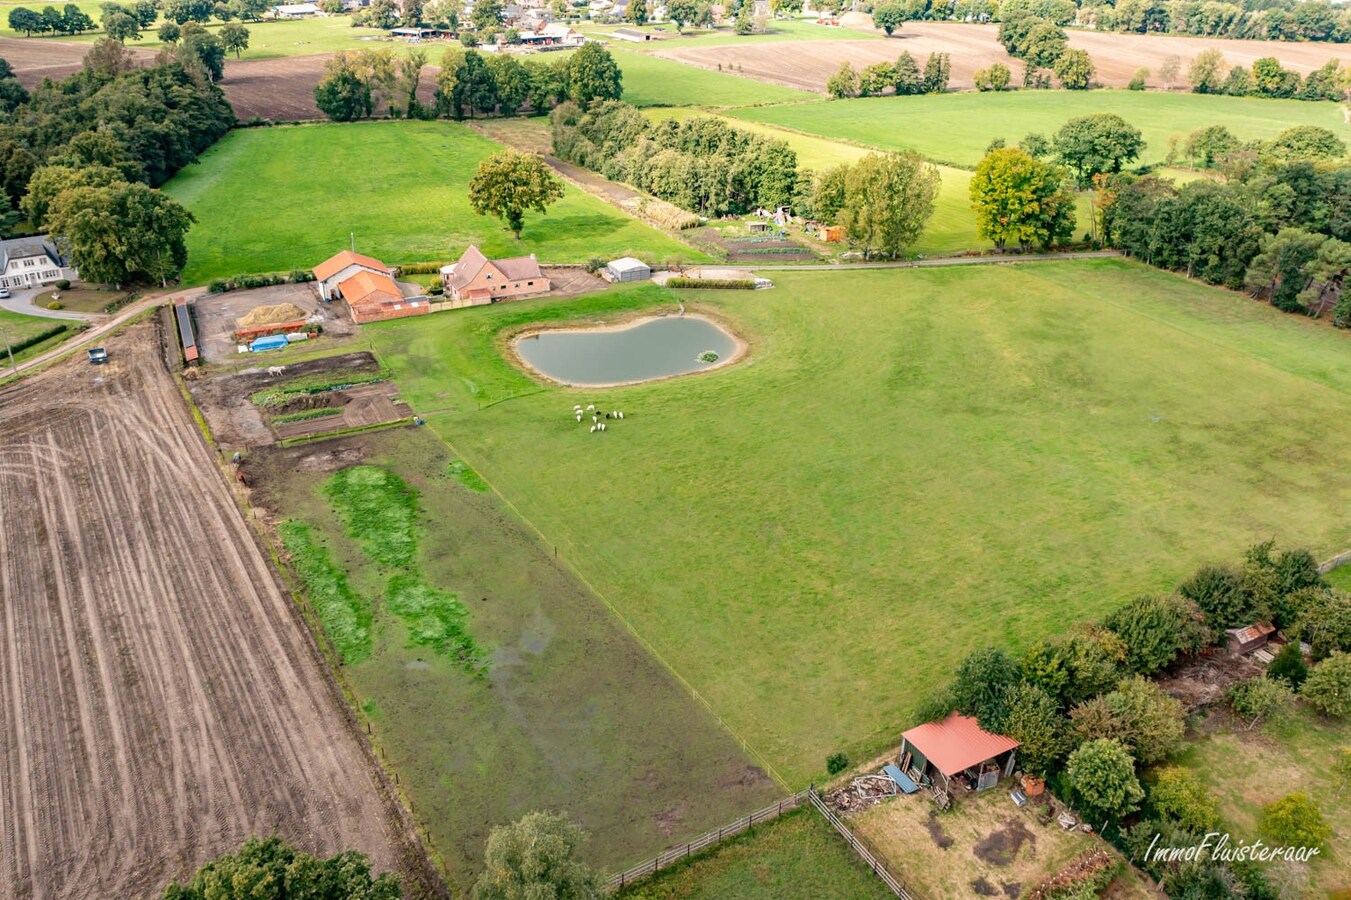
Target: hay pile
273, 315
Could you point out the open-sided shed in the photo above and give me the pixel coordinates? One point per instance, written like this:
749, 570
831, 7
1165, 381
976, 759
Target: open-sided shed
956, 749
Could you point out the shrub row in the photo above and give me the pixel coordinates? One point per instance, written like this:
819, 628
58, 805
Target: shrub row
306, 414
38, 338
246, 282
713, 284
422, 268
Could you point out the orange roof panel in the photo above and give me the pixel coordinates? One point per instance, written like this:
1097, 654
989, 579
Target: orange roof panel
957, 743
365, 286
339, 261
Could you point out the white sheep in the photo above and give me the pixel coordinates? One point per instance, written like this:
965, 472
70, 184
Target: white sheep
593, 429
579, 417
602, 426
619, 414
590, 407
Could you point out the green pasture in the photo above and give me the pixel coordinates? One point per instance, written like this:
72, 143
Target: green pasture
1246, 770
797, 857
16, 328
1340, 578
90, 8
497, 684
653, 81
910, 464
274, 199
956, 128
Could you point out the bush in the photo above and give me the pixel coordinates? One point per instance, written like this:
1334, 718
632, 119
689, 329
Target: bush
1259, 700
1323, 619
56, 304
34, 339
1295, 821
713, 284
982, 684
300, 276
1223, 595
1177, 795
1139, 714
247, 282
1328, 687
1101, 774
837, 763
1087, 876
62, 284
423, 268
594, 265
1156, 630
1289, 666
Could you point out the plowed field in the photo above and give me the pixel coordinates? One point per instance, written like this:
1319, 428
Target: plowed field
160, 700
808, 64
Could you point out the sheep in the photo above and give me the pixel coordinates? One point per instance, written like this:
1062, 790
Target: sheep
593, 429
619, 415
275, 371
579, 417
590, 407
602, 426
595, 418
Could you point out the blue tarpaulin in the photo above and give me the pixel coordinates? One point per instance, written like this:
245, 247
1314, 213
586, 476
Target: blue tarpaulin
901, 779
271, 342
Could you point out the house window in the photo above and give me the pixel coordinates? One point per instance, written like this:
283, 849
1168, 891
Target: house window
530, 284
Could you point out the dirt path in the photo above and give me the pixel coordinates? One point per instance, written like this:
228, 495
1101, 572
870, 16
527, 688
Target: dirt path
161, 700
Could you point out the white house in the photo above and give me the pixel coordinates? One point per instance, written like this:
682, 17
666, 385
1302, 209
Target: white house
32, 261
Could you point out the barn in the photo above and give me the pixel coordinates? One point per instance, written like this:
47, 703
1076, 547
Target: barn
956, 752
628, 269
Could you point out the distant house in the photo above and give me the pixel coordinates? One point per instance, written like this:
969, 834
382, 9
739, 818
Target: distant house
296, 10
476, 280
558, 33
32, 261
332, 271
413, 34
956, 751
632, 34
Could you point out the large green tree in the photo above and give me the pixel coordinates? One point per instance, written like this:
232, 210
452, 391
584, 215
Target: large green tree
1097, 143
271, 868
1032, 719
1139, 714
510, 183
50, 181
122, 232
536, 858
1021, 200
343, 94
593, 75
889, 15
1075, 70
888, 199
1278, 273
1157, 630
1328, 687
1101, 773
235, 38
982, 686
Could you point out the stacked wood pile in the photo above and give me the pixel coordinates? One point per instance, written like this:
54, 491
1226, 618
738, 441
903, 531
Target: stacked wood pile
861, 793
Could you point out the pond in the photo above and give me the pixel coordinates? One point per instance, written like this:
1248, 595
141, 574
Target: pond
642, 351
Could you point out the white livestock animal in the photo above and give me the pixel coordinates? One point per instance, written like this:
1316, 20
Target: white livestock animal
579, 417
619, 415
593, 429
601, 426
590, 407
275, 371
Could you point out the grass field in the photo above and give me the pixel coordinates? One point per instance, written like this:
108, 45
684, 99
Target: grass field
497, 684
1247, 770
15, 328
652, 81
956, 128
796, 856
1340, 578
999, 452
274, 199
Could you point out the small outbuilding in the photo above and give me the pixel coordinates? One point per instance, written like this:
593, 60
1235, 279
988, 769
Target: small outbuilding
956, 751
628, 269
1253, 637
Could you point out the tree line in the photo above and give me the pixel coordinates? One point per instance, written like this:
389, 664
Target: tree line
358, 83
1208, 73
1090, 718
1279, 225
81, 158
904, 77
1273, 20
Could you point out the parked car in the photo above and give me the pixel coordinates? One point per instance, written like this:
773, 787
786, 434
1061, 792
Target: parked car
97, 356
4, 294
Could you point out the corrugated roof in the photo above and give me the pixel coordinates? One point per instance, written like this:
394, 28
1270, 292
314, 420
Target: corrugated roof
339, 261
957, 743
364, 287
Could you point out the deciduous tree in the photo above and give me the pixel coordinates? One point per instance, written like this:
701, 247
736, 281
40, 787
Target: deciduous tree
1157, 630
1020, 199
1101, 773
1176, 795
122, 232
593, 75
1261, 700
1328, 687
1075, 70
983, 684
1295, 821
234, 37
888, 16
343, 95
537, 857
272, 868
510, 183
1101, 142
888, 199
1206, 73
844, 83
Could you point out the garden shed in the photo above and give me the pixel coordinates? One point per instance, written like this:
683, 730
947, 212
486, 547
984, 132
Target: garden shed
628, 269
957, 752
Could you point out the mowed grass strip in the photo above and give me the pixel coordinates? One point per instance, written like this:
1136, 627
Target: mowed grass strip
910, 464
653, 81
956, 128
275, 199
796, 856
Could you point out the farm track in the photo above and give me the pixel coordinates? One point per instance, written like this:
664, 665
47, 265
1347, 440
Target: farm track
161, 700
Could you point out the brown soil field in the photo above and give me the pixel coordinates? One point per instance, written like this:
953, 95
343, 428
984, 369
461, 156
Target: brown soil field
162, 697
973, 47
283, 89
34, 59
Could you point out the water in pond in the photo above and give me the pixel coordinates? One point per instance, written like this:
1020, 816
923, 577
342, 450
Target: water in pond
655, 348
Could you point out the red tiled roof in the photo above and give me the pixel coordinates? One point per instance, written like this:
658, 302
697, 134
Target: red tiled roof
365, 287
519, 267
336, 263
957, 743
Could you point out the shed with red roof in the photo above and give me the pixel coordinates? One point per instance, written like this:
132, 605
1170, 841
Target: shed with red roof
957, 749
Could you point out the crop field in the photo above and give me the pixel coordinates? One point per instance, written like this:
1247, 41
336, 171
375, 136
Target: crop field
1001, 450
275, 199
163, 700
496, 682
956, 128
1116, 57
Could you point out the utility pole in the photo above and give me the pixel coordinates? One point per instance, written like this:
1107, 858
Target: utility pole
353, 236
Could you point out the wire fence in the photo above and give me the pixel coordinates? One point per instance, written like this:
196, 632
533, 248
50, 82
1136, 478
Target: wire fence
864, 853
703, 842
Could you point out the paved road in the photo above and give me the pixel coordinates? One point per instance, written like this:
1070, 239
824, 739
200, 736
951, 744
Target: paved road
22, 303
108, 325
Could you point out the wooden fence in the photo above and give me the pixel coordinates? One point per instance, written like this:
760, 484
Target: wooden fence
704, 841
864, 853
